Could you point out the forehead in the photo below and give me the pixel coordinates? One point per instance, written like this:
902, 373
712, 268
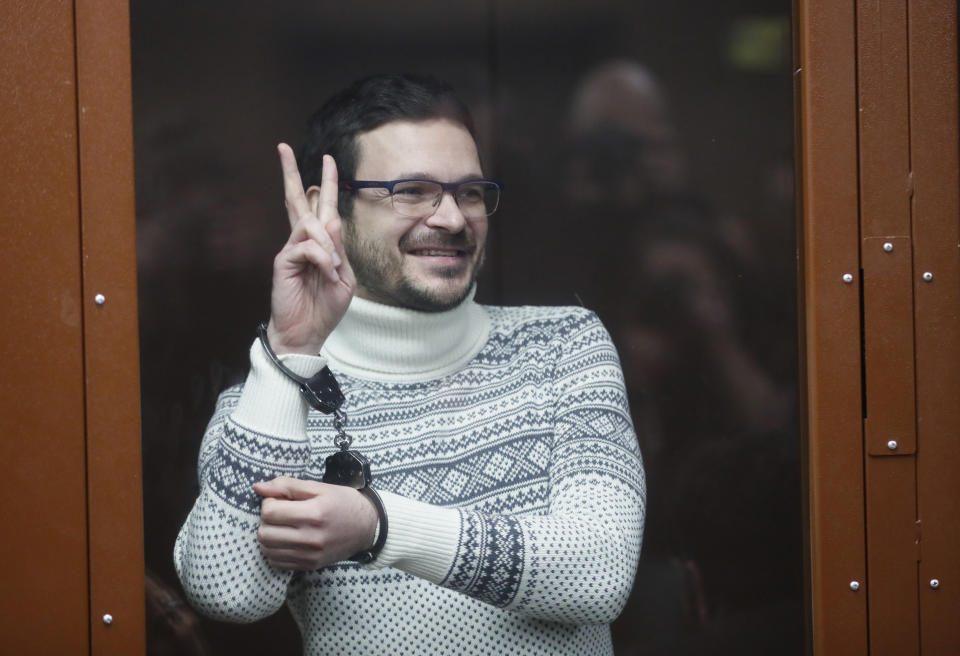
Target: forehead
436, 148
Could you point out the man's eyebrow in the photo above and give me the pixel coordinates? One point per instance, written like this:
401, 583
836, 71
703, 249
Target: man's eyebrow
420, 175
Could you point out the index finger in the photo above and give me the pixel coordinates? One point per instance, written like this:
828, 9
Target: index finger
293, 193
285, 487
329, 190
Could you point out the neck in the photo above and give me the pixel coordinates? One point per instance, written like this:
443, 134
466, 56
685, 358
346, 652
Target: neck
393, 344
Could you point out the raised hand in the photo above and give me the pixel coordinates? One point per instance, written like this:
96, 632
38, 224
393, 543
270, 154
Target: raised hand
312, 279
305, 524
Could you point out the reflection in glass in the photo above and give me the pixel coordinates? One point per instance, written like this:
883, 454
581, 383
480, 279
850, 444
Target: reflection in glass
646, 151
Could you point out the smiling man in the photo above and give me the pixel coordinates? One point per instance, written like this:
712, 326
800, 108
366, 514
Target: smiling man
425, 264
489, 497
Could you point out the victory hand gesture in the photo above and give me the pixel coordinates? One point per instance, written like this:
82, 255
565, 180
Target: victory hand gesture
312, 279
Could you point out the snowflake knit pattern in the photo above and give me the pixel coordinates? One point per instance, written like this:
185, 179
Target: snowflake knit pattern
512, 482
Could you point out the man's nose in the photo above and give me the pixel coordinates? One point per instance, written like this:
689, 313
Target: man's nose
448, 215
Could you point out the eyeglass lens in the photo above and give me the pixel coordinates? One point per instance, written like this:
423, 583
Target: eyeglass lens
418, 197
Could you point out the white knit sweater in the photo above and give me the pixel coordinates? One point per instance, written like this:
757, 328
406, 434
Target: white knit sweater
501, 443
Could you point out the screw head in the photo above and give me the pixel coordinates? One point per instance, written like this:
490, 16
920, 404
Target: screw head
99, 299
934, 583
892, 445
887, 247
848, 278
108, 619
927, 276
854, 585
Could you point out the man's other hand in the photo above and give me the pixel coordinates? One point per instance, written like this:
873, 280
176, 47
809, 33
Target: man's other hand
305, 525
312, 279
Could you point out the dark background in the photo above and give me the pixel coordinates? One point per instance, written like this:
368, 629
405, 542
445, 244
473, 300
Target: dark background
671, 215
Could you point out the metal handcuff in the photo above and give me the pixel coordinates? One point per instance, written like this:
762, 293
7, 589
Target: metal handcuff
345, 467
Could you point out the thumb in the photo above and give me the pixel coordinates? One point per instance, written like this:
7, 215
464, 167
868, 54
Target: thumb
284, 487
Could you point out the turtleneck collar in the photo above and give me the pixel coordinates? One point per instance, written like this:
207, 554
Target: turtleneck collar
393, 344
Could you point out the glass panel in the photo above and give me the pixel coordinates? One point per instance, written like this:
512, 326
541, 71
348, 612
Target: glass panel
646, 151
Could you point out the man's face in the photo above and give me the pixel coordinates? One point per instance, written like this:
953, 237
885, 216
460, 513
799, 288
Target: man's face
423, 263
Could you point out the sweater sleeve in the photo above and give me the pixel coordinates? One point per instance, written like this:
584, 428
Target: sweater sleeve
257, 432
575, 563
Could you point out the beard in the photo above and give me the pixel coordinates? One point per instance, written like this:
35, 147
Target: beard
381, 276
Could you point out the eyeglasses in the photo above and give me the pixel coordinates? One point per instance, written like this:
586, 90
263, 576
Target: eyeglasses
421, 198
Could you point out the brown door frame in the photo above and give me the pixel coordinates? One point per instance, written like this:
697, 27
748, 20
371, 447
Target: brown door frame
935, 163
73, 549
44, 547
878, 125
110, 330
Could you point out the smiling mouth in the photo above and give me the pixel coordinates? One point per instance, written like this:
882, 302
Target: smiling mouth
436, 252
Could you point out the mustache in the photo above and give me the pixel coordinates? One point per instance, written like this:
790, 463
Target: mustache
436, 239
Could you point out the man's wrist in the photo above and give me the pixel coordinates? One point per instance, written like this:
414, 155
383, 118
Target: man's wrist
270, 403
320, 391
283, 344
368, 555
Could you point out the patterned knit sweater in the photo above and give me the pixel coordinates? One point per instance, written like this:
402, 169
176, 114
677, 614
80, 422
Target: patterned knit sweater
501, 443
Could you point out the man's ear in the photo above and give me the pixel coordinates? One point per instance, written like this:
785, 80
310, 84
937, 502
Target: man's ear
313, 199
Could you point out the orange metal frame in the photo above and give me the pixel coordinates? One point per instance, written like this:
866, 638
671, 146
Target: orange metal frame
110, 346
73, 553
831, 323
879, 173
44, 548
935, 166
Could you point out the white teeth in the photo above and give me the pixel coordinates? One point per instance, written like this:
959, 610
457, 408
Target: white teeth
437, 253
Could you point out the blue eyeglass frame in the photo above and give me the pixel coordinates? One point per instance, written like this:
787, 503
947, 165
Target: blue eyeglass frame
353, 185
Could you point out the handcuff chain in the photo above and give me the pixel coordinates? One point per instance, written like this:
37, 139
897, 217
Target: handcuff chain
341, 439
